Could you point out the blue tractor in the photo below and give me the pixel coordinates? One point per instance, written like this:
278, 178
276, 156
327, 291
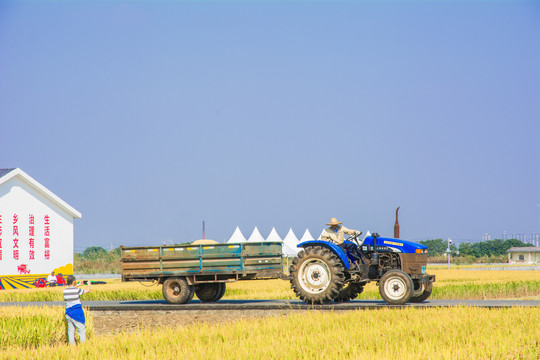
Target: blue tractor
322, 272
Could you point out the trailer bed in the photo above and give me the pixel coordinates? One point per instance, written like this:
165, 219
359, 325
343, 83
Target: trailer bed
204, 263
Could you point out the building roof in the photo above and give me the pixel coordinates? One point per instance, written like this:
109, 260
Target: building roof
8, 174
5, 171
524, 249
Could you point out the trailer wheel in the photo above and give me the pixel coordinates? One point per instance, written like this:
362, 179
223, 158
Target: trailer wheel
350, 292
396, 287
421, 291
220, 294
209, 292
177, 291
317, 275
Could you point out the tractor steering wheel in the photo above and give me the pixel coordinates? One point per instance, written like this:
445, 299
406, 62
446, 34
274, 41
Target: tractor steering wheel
354, 238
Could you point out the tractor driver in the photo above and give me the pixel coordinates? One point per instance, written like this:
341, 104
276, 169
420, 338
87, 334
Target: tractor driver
335, 234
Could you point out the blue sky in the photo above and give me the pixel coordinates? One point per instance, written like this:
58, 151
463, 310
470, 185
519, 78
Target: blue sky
149, 117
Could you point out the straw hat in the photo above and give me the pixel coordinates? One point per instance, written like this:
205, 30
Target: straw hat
333, 221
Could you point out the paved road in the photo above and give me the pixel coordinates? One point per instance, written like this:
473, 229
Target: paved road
228, 305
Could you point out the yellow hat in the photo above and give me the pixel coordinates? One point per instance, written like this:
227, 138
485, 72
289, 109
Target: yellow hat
333, 221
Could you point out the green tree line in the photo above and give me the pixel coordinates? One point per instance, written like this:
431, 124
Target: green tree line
97, 260
496, 247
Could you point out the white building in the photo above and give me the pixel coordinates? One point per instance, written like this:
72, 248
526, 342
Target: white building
36, 231
524, 255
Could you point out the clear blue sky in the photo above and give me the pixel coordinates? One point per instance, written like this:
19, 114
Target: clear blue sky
149, 117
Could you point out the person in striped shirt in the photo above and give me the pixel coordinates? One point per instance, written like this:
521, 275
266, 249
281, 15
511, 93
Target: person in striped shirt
74, 312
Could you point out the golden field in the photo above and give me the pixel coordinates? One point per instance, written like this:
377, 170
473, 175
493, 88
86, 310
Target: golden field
450, 284
410, 333
432, 333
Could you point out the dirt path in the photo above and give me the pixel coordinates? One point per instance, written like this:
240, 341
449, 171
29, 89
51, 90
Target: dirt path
110, 322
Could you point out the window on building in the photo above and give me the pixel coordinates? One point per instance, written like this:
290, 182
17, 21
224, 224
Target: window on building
521, 257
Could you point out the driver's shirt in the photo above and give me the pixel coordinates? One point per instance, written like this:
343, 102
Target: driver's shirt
337, 237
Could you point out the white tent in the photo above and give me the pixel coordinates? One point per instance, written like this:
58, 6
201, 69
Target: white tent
255, 236
273, 236
288, 251
322, 232
307, 236
289, 244
237, 237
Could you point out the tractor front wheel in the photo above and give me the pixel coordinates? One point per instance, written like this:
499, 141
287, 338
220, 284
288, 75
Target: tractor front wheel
317, 275
396, 287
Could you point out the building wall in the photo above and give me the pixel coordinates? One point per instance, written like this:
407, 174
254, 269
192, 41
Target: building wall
26, 255
528, 257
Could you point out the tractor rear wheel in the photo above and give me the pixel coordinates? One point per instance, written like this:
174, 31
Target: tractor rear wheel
317, 275
421, 291
177, 290
350, 292
396, 287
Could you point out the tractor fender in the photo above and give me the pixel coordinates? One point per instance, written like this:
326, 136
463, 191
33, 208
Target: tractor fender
331, 246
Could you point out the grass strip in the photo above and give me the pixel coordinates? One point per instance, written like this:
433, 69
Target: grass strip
434, 333
32, 327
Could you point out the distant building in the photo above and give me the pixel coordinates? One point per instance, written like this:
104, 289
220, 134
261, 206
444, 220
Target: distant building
36, 231
524, 255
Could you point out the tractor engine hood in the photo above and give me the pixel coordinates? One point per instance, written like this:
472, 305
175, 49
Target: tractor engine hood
395, 245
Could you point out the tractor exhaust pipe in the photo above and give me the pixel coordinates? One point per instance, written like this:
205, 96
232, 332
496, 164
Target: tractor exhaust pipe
375, 255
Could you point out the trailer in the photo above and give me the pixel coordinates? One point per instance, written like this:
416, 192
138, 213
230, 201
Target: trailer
201, 269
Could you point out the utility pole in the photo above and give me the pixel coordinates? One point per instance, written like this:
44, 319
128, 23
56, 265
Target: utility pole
448, 251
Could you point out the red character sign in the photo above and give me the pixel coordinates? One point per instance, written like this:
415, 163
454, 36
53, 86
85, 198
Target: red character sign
23, 269
15, 240
47, 234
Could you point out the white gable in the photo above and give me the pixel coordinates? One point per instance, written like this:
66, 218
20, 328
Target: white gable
237, 236
42, 190
255, 236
